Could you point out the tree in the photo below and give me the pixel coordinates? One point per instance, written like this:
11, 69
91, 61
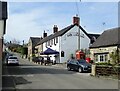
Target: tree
115, 57
24, 51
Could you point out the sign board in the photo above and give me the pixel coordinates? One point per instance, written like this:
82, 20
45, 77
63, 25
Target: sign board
75, 34
3, 10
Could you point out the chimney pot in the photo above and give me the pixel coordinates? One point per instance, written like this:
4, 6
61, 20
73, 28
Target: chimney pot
55, 29
44, 34
76, 20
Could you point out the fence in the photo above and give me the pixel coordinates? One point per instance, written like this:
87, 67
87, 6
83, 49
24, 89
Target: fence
107, 70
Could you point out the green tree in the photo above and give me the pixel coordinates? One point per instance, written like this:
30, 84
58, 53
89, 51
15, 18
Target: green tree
115, 57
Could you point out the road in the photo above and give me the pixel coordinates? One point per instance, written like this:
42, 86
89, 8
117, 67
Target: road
34, 76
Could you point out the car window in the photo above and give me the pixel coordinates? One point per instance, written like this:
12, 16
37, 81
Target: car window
82, 61
73, 61
12, 57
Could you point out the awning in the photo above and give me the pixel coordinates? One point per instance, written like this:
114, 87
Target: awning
49, 51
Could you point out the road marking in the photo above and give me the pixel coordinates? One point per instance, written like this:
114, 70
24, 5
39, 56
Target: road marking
7, 88
29, 75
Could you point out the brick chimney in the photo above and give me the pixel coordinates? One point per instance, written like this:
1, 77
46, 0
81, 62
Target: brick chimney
76, 20
55, 29
44, 34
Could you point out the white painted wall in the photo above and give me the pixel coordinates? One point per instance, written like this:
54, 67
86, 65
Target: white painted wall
84, 42
69, 44
54, 47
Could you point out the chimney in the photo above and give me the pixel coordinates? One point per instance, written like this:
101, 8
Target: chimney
41, 38
55, 29
76, 20
44, 34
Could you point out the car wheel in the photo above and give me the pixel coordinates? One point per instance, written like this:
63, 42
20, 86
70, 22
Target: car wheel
68, 68
79, 69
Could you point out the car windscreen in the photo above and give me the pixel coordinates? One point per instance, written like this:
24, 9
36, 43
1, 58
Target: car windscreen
12, 57
82, 61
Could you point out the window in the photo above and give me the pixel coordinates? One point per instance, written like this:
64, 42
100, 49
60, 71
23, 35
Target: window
54, 42
96, 58
101, 58
49, 43
62, 53
106, 57
56, 39
46, 44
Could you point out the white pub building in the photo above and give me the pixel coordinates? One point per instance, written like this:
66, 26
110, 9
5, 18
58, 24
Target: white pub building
66, 41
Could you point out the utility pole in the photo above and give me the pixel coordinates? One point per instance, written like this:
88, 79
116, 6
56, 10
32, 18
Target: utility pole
78, 38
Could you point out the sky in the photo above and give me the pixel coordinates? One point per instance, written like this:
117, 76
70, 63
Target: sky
26, 19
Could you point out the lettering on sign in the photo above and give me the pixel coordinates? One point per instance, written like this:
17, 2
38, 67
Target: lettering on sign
75, 34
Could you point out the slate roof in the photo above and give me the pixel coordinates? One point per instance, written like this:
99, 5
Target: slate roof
109, 37
60, 33
35, 40
94, 35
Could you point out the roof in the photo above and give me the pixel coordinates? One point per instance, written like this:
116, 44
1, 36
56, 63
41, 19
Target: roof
108, 38
60, 33
94, 35
35, 40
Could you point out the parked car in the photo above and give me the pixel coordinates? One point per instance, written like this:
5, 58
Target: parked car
12, 60
78, 65
7, 56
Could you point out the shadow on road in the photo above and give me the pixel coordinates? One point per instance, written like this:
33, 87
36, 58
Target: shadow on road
34, 69
21, 80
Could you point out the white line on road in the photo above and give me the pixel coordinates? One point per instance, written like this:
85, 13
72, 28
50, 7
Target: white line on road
29, 75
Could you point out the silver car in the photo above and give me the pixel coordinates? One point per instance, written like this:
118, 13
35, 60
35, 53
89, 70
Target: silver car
12, 60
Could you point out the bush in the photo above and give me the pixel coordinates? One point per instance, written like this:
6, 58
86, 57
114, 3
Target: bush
103, 63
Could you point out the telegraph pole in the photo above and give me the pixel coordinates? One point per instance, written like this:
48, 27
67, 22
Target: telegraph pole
78, 38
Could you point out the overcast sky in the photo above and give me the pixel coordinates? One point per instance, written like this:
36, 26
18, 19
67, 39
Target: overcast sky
27, 19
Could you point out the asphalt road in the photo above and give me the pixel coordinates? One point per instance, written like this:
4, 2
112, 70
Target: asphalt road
33, 76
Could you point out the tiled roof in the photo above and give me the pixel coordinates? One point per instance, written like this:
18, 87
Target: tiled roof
94, 35
59, 33
109, 37
35, 40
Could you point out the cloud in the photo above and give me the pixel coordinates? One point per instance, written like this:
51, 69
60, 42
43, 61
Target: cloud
31, 19
22, 25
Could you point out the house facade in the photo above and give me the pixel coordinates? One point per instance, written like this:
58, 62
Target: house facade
66, 41
105, 45
31, 45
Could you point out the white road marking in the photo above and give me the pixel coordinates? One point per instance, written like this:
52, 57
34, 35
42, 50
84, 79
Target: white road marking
29, 75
